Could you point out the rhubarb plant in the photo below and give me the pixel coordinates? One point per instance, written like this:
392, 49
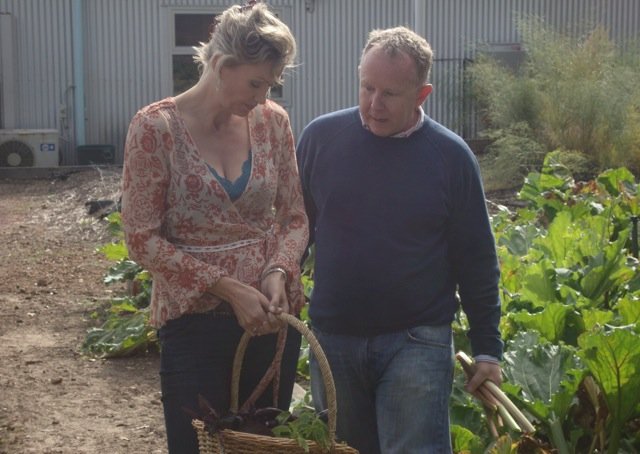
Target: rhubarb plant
571, 307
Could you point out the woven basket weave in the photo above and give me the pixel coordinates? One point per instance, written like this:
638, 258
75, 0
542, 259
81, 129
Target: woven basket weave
233, 442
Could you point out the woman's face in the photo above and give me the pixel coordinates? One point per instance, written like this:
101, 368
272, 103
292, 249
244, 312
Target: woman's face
243, 87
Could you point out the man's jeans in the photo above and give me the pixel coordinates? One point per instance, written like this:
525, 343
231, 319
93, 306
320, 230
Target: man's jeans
392, 390
196, 358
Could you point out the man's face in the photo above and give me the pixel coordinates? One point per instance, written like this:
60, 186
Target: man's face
389, 93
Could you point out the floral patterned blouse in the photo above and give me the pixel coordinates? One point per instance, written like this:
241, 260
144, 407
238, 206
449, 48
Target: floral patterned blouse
181, 225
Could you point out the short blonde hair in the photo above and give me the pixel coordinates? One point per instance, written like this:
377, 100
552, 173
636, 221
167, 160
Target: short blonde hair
402, 40
250, 34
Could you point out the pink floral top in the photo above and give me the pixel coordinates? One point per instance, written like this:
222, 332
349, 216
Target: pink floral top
181, 225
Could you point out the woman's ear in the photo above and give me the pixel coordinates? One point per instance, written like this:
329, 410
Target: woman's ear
213, 63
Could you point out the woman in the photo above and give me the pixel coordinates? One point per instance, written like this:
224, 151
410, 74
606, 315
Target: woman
212, 207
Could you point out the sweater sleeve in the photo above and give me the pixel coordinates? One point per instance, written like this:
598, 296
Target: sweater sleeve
474, 258
146, 179
303, 153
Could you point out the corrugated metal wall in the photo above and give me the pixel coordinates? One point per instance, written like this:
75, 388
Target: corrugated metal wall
44, 61
123, 65
330, 40
127, 53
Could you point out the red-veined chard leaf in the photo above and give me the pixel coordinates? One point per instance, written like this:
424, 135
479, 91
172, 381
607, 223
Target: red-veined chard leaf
612, 356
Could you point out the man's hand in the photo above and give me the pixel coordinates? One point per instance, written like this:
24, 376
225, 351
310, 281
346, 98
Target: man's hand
484, 370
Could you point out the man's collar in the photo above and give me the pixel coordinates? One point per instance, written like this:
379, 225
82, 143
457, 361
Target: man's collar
421, 119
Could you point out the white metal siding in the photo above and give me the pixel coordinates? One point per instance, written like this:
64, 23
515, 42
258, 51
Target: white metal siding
127, 65
123, 65
44, 61
330, 40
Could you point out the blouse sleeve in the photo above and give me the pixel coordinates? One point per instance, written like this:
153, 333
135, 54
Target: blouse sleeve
291, 229
146, 179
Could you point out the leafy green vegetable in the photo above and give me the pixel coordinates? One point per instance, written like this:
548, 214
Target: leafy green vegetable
303, 424
544, 377
121, 335
550, 322
613, 357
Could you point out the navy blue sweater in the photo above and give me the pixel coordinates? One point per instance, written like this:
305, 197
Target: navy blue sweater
400, 225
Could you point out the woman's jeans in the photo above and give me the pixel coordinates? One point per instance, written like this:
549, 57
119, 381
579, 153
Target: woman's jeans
392, 390
197, 353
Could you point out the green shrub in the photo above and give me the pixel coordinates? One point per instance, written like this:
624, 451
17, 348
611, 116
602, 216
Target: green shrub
576, 92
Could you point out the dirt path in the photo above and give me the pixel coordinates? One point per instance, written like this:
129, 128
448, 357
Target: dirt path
52, 398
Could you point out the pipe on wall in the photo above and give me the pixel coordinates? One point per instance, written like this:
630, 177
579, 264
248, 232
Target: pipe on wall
78, 72
8, 72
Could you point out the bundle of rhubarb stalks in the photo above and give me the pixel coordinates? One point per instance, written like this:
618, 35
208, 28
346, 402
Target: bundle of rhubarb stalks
500, 409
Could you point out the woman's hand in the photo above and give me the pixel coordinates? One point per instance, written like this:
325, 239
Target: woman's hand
249, 305
274, 288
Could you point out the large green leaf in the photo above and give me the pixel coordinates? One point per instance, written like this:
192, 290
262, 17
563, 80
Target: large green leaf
550, 322
595, 317
613, 357
539, 283
546, 190
547, 375
629, 310
115, 251
605, 271
121, 335
124, 270
585, 257
518, 239
616, 181
464, 440
511, 269
559, 240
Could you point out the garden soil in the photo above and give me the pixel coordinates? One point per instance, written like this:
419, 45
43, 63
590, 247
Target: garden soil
53, 398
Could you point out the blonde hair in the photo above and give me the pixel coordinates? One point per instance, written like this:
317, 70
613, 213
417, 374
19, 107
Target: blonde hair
250, 34
394, 41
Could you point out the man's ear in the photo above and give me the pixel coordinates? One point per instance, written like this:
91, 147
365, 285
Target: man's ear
424, 92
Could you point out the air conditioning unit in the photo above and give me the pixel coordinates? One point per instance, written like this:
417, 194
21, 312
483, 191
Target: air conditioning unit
29, 148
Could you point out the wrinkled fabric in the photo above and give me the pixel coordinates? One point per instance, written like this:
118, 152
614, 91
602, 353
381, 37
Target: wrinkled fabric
392, 389
171, 199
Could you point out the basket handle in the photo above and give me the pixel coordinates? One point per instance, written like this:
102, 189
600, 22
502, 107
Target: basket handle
314, 345
272, 374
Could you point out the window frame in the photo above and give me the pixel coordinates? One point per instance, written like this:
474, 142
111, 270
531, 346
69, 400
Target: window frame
283, 12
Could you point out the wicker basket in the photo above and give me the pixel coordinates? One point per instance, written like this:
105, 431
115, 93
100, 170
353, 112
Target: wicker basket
233, 442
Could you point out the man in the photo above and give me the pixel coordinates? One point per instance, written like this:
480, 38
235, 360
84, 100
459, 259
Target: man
399, 222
